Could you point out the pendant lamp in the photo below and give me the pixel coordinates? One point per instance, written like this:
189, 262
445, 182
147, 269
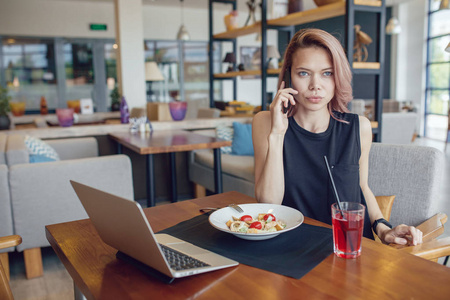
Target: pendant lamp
183, 34
393, 26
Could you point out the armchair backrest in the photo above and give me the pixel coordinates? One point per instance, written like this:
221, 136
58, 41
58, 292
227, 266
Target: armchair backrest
411, 173
16, 150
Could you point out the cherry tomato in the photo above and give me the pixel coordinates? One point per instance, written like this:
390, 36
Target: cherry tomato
246, 218
269, 218
256, 225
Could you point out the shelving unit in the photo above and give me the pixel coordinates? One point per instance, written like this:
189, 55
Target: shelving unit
287, 23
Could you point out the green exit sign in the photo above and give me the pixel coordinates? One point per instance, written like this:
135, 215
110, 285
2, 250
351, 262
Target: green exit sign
103, 27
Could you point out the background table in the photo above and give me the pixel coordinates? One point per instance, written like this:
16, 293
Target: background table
381, 272
170, 141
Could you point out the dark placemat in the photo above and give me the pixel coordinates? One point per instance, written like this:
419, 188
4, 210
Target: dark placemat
293, 253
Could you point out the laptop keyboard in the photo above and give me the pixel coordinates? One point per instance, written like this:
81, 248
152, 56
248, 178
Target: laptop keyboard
179, 261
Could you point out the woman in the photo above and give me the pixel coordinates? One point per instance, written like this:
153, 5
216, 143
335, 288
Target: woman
289, 147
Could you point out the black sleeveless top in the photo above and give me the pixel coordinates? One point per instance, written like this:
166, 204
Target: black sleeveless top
307, 184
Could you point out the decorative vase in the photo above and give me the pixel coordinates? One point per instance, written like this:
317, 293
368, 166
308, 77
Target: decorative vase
5, 122
178, 110
124, 111
295, 6
65, 116
324, 2
43, 106
230, 22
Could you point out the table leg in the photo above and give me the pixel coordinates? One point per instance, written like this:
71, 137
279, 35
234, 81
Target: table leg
77, 293
150, 181
173, 168
218, 171
119, 148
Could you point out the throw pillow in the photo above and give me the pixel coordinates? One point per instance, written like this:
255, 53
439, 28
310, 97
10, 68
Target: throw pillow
38, 147
242, 139
225, 133
40, 158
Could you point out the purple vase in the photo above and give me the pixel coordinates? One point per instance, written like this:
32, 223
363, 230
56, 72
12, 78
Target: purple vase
124, 111
178, 110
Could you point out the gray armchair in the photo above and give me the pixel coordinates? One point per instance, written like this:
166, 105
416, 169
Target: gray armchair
41, 193
413, 174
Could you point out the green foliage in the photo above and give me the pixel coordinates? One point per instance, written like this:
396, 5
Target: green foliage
115, 96
4, 101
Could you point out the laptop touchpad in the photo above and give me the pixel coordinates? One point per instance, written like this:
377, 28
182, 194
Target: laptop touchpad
188, 248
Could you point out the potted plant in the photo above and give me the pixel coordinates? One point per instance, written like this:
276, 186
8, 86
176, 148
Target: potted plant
115, 99
5, 122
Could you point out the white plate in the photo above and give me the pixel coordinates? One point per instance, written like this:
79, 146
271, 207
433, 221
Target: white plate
292, 217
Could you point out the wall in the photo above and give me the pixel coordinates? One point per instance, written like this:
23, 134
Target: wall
411, 55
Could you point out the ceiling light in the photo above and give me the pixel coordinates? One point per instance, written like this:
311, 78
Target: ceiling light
182, 32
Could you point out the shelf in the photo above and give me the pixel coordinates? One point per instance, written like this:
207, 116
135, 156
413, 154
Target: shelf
366, 65
246, 73
368, 2
232, 34
311, 15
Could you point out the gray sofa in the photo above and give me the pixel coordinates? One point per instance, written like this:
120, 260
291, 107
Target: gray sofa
411, 173
41, 193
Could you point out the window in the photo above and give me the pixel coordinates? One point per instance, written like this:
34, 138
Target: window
438, 70
29, 70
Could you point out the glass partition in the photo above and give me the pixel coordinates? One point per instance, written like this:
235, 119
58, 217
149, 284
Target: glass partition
78, 63
29, 71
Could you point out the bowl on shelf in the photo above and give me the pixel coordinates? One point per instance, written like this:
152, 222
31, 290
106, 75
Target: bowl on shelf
17, 108
65, 116
178, 110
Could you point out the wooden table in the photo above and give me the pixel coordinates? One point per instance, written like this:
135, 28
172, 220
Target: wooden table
381, 272
170, 141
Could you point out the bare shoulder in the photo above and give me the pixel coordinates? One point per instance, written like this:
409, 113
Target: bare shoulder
261, 117
261, 125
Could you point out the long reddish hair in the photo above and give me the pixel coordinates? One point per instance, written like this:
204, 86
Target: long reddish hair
306, 38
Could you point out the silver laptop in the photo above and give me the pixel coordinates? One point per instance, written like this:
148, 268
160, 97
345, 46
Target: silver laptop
121, 223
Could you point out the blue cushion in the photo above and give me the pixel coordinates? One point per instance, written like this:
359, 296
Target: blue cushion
225, 133
40, 158
242, 139
38, 147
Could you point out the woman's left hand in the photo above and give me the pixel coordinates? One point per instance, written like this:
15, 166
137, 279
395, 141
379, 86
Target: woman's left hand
403, 235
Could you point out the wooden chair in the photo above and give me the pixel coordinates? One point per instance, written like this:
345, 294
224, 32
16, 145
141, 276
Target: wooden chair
412, 174
5, 289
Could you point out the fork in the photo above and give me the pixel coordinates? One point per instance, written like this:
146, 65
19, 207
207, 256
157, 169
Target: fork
234, 206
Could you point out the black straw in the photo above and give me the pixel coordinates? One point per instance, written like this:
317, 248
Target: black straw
334, 186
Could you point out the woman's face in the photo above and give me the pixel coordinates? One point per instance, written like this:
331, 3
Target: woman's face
312, 75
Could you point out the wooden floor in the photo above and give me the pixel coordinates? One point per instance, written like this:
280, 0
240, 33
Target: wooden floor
56, 283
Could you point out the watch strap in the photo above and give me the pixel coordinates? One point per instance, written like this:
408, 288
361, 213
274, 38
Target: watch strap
381, 220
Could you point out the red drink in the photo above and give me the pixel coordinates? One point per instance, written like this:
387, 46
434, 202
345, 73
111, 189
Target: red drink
347, 229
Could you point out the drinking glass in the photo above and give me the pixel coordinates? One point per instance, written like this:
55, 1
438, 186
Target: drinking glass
348, 225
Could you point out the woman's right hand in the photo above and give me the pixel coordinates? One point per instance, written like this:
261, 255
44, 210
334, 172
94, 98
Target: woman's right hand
282, 98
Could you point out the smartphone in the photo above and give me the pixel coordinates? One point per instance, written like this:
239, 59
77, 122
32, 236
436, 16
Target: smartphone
287, 84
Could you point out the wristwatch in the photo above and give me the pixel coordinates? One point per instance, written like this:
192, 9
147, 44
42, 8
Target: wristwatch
375, 224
